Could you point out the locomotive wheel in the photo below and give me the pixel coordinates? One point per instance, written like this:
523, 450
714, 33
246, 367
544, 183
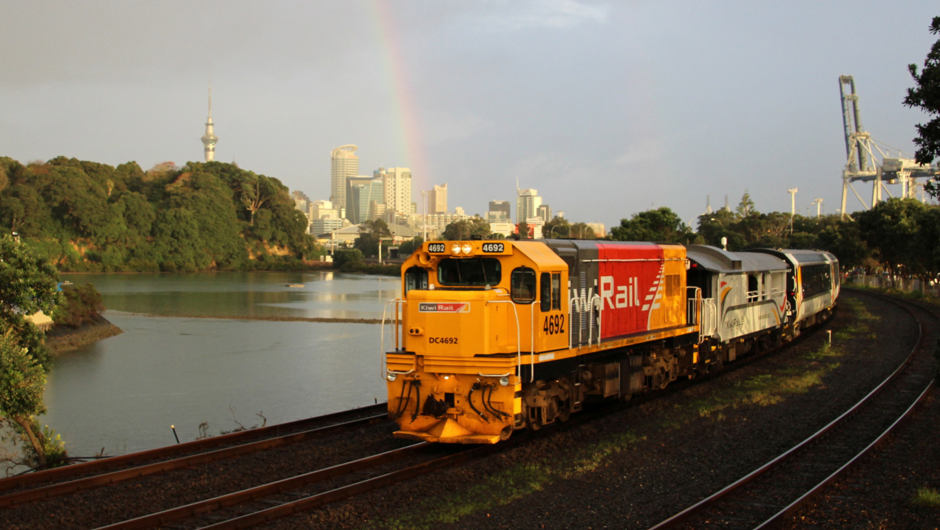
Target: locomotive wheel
505, 433
533, 425
564, 409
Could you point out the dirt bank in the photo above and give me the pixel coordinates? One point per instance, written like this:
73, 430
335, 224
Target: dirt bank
61, 339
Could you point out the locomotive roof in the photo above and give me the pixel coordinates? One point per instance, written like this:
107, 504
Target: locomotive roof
715, 259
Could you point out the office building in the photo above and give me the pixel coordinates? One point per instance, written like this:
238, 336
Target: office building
344, 164
545, 212
501, 206
320, 227
437, 200
397, 191
527, 204
360, 192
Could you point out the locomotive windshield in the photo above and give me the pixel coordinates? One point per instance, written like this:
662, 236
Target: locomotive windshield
472, 272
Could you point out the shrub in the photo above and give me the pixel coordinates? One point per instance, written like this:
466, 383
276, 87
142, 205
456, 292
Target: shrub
80, 304
342, 257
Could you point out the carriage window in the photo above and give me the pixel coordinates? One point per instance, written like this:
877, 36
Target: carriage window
545, 295
556, 291
522, 285
752, 288
416, 278
472, 272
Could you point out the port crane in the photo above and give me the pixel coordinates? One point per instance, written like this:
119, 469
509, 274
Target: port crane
863, 153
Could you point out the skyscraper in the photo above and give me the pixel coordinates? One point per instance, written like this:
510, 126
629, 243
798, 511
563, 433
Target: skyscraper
437, 200
500, 209
345, 163
360, 192
545, 212
527, 204
397, 181
210, 139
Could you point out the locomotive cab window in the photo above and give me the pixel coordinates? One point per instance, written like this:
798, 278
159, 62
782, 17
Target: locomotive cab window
472, 272
556, 291
416, 278
522, 285
545, 294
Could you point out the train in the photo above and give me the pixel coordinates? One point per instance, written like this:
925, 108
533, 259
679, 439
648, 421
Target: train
494, 336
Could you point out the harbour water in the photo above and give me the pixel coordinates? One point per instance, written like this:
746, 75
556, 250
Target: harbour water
124, 392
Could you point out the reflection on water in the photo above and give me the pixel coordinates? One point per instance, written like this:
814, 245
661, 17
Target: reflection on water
247, 294
124, 392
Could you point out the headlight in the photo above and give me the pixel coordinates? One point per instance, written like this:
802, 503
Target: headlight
467, 249
504, 381
391, 376
455, 249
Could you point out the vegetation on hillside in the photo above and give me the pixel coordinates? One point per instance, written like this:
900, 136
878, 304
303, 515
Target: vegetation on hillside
86, 216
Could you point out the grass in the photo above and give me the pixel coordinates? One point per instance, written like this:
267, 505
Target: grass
521, 479
927, 497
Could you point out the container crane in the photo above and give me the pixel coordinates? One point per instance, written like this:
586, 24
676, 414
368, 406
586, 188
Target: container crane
862, 153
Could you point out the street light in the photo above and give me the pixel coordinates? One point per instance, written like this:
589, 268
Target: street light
380, 246
792, 192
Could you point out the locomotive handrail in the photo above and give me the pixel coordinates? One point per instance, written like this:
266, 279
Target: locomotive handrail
518, 340
694, 310
574, 302
382, 366
593, 303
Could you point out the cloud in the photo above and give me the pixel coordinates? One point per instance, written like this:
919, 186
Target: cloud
552, 14
641, 154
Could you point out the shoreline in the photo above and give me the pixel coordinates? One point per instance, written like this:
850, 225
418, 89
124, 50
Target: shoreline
333, 320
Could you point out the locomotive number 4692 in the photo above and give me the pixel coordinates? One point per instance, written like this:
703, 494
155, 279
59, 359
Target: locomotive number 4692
554, 324
494, 247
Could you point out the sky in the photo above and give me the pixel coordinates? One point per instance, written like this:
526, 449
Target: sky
606, 108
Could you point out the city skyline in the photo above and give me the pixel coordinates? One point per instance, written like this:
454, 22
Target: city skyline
615, 107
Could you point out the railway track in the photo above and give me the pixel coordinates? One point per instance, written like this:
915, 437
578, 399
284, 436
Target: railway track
771, 494
79, 477
259, 504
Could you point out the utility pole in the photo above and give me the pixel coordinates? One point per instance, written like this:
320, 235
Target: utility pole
792, 192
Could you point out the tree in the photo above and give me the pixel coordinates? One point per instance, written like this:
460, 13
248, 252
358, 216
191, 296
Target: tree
746, 206
660, 225
890, 229
22, 381
370, 232
466, 229
27, 285
925, 95
409, 247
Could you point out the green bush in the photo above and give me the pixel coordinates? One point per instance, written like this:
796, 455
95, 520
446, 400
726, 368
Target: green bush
342, 257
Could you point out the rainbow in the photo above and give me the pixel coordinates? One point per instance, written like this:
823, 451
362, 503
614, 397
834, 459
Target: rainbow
402, 99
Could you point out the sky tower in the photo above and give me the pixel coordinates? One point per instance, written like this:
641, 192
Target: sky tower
210, 139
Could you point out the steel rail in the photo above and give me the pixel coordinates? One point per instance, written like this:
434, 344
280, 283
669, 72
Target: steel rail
112, 462
266, 490
700, 506
73, 486
346, 492
778, 517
